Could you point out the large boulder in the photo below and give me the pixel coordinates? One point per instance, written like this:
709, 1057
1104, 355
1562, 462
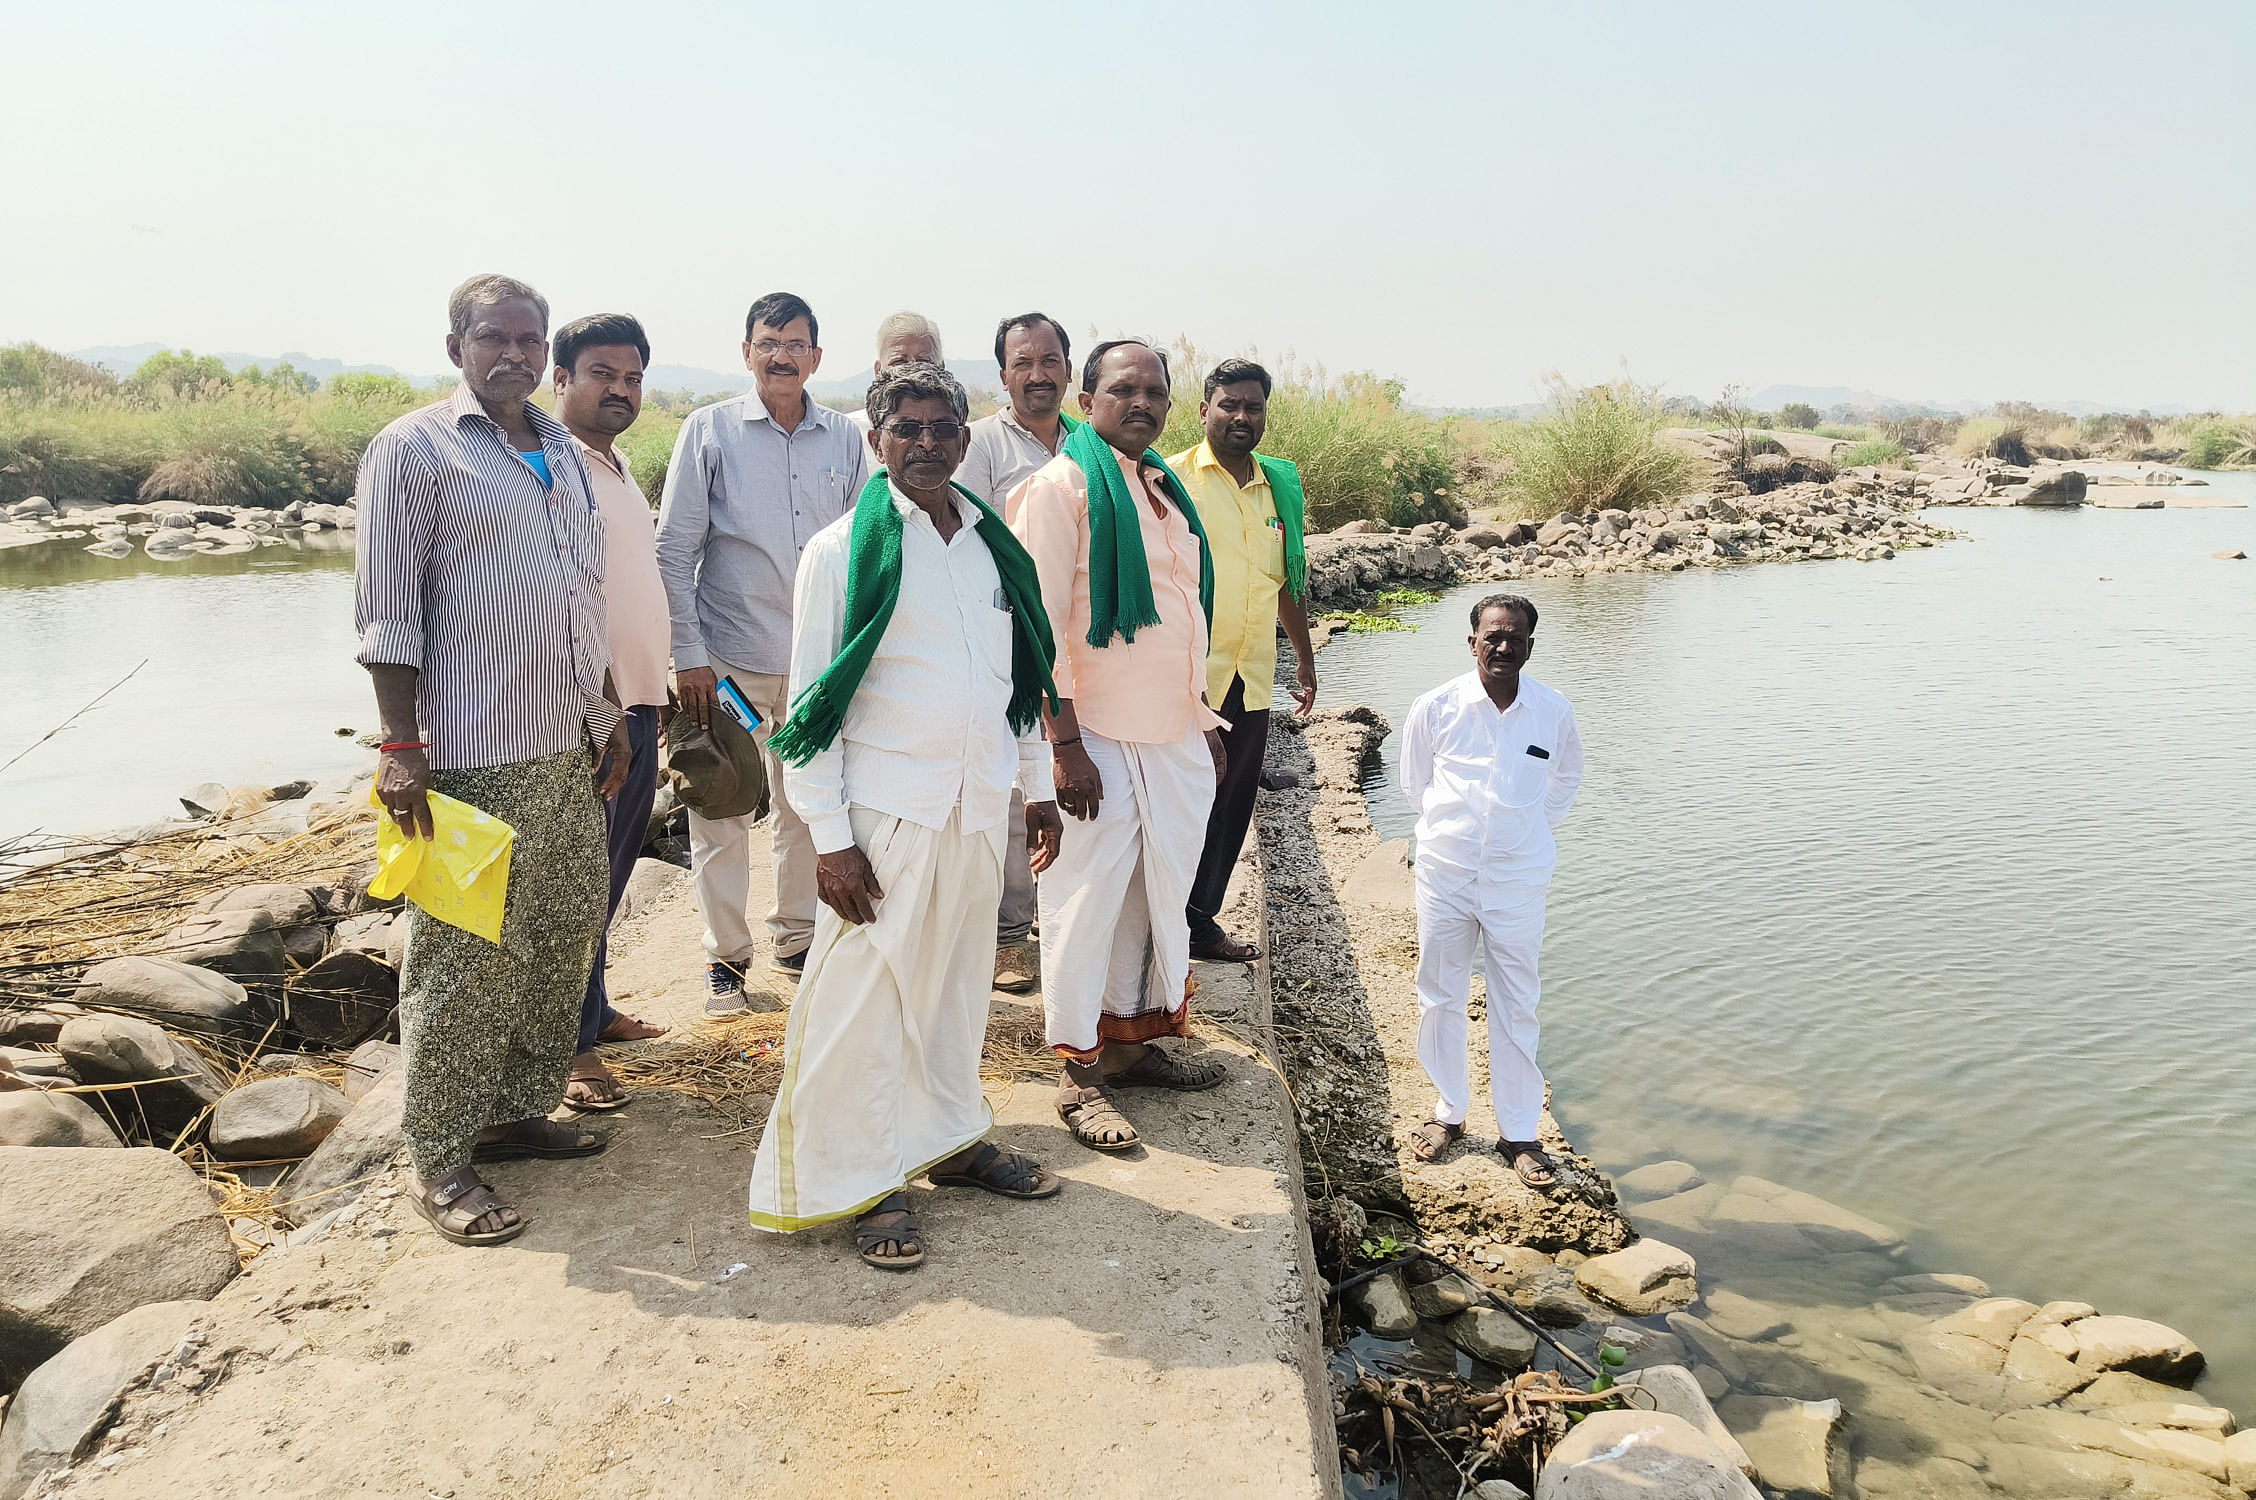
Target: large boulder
88, 1234
275, 1119
359, 1150
244, 945
1660, 1179
344, 999
34, 1117
36, 1028
1498, 1337
63, 1407
1675, 1390
2137, 1345
172, 1085
284, 905
172, 993
1643, 1280
1385, 1306
1640, 1455
2052, 487
369, 932
1794, 1444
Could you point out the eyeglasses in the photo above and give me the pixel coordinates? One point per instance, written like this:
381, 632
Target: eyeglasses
917, 432
797, 348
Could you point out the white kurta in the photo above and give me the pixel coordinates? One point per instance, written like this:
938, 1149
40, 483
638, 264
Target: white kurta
1116, 945
881, 1056
1489, 787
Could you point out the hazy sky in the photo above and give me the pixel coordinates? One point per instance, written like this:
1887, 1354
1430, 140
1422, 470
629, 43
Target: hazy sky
2038, 201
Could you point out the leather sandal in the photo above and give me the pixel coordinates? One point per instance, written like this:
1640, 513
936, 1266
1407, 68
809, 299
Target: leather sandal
539, 1136
905, 1235
1528, 1160
592, 1086
1159, 1068
1006, 1173
1429, 1140
459, 1200
1089, 1114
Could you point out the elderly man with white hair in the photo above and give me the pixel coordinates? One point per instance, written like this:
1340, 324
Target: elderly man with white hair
905, 338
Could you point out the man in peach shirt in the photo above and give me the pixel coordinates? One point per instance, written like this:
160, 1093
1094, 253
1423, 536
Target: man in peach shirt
1127, 582
599, 365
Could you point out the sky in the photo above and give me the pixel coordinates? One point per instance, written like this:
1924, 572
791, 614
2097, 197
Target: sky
2036, 201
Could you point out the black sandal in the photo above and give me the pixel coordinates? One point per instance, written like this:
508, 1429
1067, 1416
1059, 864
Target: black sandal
1088, 1111
1226, 950
1528, 1160
459, 1200
539, 1136
905, 1235
1429, 1140
1002, 1172
1159, 1068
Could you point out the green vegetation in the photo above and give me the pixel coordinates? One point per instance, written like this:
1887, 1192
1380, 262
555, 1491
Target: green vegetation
1845, 434
1991, 437
1407, 598
1880, 451
1370, 620
2215, 442
1798, 414
1362, 456
1597, 447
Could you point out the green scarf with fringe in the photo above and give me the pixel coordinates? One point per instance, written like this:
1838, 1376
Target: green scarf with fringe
1292, 519
873, 587
1120, 588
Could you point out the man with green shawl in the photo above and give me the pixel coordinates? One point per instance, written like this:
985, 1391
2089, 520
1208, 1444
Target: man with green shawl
1255, 518
1128, 581
920, 664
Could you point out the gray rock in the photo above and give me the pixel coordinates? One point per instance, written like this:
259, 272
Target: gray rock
1739, 1317
34, 1117
1496, 1489
88, 1234
29, 1067
173, 1085
243, 945
2240, 1461
1793, 1443
369, 1062
1553, 1302
1647, 1278
206, 799
290, 791
1934, 1282
1678, 1392
370, 932
2053, 487
65, 1404
1497, 1337
33, 508
2037, 1374
2049, 1427
1444, 1298
1640, 1455
2122, 1388
1660, 1179
1712, 1347
1556, 530
275, 1118
2137, 1345
1386, 1306
649, 883
2185, 1416
284, 905
358, 1150
173, 993
1485, 537
291, 1062
36, 1028
342, 1000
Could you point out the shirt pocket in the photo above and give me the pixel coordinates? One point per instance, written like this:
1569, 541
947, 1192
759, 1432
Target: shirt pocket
994, 634
1272, 552
1530, 776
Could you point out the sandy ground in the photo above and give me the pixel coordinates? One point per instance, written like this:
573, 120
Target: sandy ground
1150, 1332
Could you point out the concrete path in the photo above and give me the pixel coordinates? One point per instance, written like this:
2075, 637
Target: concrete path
1150, 1332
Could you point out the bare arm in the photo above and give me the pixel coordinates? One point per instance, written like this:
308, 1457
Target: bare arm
403, 777
1294, 617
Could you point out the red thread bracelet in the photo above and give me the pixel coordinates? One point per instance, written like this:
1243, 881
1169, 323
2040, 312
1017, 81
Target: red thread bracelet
405, 745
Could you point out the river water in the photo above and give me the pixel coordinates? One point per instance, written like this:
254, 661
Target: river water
1924, 885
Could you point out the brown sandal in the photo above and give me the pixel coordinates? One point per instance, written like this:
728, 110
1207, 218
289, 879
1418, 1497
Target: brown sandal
1089, 1114
626, 1028
1528, 1160
905, 1235
539, 1136
1429, 1140
592, 1086
1226, 950
1003, 1172
1159, 1068
459, 1200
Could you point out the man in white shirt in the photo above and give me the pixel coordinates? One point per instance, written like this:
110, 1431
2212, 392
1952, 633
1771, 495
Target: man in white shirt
1032, 354
920, 665
599, 365
1490, 764
905, 338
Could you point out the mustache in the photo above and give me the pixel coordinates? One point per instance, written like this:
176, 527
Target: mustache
511, 367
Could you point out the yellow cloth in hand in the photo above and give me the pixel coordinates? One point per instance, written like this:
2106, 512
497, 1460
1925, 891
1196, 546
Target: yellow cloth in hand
459, 875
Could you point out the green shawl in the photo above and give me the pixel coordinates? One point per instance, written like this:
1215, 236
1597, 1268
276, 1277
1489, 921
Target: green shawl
873, 587
1120, 589
1292, 519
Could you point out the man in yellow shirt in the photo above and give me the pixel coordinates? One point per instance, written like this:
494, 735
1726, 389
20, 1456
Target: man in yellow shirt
1256, 536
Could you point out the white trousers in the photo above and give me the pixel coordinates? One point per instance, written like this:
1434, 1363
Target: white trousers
1508, 922
881, 1054
720, 849
1116, 945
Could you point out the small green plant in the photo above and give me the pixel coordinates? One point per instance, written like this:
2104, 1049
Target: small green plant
1370, 620
1407, 598
1878, 451
1385, 1247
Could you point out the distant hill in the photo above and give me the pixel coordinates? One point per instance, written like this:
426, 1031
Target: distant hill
1826, 398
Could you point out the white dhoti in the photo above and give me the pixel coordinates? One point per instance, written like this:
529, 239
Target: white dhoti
1507, 920
1116, 943
881, 1056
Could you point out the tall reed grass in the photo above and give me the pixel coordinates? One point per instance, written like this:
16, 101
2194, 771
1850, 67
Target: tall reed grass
1595, 448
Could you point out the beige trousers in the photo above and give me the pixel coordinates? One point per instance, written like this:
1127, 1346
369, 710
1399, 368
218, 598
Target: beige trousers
720, 849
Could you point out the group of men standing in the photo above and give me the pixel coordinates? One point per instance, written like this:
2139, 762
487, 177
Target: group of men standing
978, 652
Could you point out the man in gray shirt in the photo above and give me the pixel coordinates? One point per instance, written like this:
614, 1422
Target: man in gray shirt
1033, 354
752, 480
905, 338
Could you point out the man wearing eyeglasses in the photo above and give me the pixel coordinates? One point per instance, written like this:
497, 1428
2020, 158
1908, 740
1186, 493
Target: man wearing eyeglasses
752, 481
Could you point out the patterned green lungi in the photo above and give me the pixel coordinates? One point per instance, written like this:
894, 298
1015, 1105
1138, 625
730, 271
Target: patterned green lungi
488, 1031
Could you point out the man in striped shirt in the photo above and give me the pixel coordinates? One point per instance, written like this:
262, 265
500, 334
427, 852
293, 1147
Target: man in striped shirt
479, 599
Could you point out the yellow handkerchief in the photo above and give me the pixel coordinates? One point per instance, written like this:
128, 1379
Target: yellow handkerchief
460, 875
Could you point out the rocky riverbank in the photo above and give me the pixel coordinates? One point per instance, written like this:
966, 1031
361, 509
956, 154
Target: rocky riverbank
1782, 1340
168, 528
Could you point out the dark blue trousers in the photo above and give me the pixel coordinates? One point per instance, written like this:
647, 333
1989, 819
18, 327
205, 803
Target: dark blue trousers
626, 822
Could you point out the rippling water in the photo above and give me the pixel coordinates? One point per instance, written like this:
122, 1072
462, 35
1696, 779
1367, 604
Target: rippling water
1925, 885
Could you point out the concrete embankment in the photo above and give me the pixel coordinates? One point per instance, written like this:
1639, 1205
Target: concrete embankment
1152, 1331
